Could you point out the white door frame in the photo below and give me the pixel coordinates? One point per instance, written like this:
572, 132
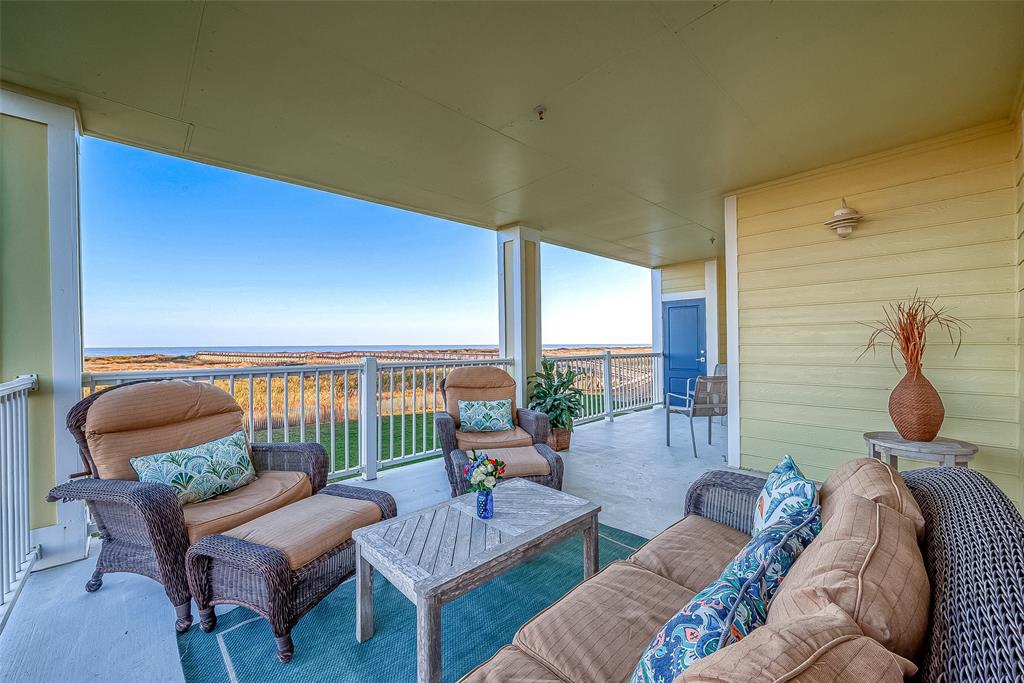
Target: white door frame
710, 295
67, 540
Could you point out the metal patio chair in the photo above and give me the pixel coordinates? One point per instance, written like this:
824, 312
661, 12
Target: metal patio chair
708, 399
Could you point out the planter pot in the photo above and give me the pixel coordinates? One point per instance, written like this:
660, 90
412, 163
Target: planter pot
558, 439
916, 409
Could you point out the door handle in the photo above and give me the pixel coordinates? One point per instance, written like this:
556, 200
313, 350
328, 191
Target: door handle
701, 359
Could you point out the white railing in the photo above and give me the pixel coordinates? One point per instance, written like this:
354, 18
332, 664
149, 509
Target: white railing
613, 383
16, 552
331, 404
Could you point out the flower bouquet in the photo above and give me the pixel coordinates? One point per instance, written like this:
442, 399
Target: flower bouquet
483, 474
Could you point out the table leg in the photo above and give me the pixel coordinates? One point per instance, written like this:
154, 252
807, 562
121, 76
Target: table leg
590, 548
364, 597
428, 640
894, 461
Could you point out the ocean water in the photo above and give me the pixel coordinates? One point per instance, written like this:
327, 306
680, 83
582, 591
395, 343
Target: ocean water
190, 350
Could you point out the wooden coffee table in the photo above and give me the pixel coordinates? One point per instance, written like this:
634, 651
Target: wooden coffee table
435, 555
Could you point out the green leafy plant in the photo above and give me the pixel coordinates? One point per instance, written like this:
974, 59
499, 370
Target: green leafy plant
554, 393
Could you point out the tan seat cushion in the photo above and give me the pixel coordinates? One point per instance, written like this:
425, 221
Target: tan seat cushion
155, 417
692, 552
872, 479
598, 631
306, 529
270, 491
511, 665
522, 461
478, 383
511, 438
866, 561
826, 647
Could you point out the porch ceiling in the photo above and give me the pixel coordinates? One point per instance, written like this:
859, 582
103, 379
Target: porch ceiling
654, 110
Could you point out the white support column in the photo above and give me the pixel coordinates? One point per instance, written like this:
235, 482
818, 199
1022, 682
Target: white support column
711, 295
657, 336
732, 329
368, 418
519, 334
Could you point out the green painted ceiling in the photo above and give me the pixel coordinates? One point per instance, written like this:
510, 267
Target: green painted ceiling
654, 110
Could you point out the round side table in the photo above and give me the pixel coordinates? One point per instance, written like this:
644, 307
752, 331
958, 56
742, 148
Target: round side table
946, 452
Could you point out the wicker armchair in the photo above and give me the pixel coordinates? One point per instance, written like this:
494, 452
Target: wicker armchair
531, 429
143, 525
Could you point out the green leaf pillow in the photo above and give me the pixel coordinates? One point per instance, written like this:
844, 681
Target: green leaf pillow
202, 471
486, 416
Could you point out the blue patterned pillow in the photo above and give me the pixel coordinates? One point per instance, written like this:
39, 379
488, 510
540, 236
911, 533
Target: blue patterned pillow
734, 604
486, 416
785, 490
202, 471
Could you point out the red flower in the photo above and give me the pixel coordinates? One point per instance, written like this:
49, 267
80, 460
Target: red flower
465, 470
492, 461
501, 470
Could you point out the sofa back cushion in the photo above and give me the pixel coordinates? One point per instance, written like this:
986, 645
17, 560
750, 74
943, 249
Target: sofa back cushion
825, 647
477, 383
867, 562
872, 479
155, 417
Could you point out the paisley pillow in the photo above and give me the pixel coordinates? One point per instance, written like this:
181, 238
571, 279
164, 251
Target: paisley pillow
202, 471
734, 604
785, 491
486, 416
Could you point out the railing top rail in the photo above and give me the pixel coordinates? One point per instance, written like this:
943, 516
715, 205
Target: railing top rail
444, 363
256, 370
599, 356
19, 383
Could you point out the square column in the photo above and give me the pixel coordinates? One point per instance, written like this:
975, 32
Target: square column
519, 335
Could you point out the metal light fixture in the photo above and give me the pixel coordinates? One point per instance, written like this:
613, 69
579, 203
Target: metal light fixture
844, 220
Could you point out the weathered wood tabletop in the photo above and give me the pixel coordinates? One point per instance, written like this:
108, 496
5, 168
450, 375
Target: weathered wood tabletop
437, 554
888, 446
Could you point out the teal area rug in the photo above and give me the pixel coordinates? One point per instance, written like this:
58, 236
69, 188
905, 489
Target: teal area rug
474, 627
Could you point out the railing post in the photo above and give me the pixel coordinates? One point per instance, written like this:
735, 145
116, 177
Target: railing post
368, 418
609, 409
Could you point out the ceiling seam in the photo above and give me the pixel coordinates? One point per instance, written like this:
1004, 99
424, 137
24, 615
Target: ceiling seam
191, 65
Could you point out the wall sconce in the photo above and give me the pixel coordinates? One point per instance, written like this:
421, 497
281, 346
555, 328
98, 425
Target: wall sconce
844, 220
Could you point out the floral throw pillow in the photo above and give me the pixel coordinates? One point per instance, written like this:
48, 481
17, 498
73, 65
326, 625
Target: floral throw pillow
785, 491
734, 604
486, 416
202, 471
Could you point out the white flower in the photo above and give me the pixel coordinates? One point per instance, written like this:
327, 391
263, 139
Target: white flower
489, 482
477, 477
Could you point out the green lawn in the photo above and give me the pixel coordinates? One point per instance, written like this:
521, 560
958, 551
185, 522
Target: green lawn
387, 449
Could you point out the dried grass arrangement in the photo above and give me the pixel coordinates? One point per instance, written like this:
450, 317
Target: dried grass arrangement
914, 405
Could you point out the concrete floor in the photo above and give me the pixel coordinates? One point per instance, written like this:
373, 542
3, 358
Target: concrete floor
125, 631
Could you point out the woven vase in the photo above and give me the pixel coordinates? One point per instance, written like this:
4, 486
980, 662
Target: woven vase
915, 408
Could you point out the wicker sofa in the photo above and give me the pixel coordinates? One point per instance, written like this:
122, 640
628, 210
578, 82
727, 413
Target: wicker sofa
144, 528
524, 448
861, 604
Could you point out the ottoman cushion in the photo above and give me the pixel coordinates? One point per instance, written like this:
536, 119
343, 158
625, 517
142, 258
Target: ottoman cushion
523, 461
308, 528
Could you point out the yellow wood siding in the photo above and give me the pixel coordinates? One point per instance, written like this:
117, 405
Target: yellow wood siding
682, 277
943, 218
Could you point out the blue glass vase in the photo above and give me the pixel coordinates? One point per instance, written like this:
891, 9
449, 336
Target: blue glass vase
484, 504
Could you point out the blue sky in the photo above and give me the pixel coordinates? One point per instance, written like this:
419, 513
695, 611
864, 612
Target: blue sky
176, 253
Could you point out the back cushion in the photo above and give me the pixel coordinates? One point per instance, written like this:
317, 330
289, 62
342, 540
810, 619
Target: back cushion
867, 562
478, 383
826, 647
156, 417
872, 479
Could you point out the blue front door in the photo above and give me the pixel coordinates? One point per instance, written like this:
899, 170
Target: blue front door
684, 343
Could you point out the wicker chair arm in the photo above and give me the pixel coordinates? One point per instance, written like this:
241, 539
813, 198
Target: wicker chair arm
455, 462
444, 427
384, 500
141, 495
309, 457
536, 423
555, 463
725, 497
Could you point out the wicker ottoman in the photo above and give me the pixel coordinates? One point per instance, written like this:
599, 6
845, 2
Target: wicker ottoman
536, 463
282, 564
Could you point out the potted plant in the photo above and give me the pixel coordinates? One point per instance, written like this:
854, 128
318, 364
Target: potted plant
482, 474
914, 405
554, 393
